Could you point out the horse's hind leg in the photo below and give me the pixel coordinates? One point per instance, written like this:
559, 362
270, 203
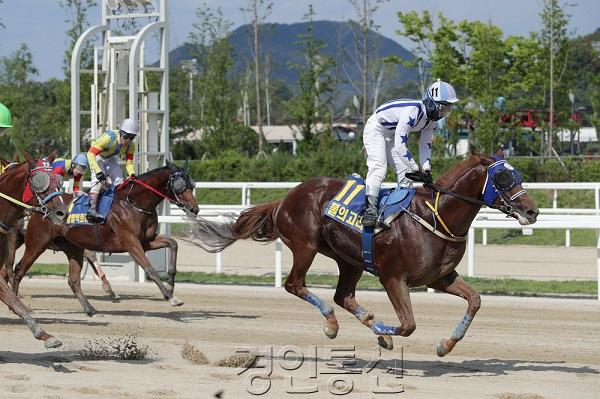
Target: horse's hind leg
345, 297
90, 256
455, 285
295, 284
75, 256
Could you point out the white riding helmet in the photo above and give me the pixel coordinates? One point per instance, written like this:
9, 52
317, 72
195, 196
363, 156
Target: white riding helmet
442, 92
130, 126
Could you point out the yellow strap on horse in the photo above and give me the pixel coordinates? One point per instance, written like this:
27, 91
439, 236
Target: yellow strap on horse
437, 215
17, 202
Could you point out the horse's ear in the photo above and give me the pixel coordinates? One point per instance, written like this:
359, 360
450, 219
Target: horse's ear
500, 151
28, 157
52, 156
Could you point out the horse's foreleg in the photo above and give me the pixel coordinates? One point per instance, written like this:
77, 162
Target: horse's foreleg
295, 284
32, 252
166, 242
397, 290
93, 260
19, 308
455, 285
345, 297
75, 256
137, 253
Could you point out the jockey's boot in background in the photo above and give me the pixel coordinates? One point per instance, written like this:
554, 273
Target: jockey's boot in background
372, 212
92, 214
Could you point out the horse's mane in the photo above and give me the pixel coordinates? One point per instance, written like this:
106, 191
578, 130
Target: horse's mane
152, 172
450, 176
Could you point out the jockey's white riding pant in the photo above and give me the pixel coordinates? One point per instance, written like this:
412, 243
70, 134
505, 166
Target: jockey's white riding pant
384, 147
112, 170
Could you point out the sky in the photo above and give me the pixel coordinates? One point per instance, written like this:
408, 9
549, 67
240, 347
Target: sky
41, 23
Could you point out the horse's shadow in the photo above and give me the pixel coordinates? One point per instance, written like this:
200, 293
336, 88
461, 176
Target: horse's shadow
101, 297
179, 315
59, 361
472, 368
56, 320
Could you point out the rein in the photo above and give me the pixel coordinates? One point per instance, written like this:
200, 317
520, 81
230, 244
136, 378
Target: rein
134, 180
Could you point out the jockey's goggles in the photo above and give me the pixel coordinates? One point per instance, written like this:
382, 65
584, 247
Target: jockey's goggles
444, 108
127, 136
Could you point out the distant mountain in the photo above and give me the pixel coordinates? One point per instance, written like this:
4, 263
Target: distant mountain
281, 43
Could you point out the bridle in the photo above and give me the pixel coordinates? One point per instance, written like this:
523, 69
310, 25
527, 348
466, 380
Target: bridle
37, 184
501, 177
179, 181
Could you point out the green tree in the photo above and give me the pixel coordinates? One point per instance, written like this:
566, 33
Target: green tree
40, 124
78, 23
554, 39
216, 108
313, 98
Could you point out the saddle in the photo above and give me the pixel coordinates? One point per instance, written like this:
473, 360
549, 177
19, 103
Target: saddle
79, 207
348, 206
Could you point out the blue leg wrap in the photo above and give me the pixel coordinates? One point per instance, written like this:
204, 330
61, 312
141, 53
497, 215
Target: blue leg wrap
360, 313
381, 329
461, 328
320, 304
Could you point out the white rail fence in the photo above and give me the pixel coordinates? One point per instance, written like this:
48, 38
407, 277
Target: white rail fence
550, 218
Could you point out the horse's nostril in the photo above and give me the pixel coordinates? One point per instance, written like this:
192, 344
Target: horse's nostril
532, 212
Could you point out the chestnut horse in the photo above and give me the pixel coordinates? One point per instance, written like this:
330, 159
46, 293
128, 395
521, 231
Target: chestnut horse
411, 253
29, 185
131, 226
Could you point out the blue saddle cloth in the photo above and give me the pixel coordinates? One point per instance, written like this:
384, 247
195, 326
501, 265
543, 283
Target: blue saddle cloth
80, 206
348, 206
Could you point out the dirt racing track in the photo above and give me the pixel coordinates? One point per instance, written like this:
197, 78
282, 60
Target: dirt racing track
526, 348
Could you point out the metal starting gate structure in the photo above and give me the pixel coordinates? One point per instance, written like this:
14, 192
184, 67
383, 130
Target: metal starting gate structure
122, 85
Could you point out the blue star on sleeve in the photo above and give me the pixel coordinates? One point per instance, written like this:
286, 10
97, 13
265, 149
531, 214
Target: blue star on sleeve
411, 121
408, 155
404, 138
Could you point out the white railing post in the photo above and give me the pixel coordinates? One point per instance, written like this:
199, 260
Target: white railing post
598, 262
568, 238
471, 252
244, 195
278, 250
597, 199
484, 237
555, 199
219, 267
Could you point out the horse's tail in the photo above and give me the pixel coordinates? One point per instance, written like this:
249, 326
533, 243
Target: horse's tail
257, 223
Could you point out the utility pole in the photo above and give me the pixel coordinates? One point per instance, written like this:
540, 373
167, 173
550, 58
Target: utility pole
257, 78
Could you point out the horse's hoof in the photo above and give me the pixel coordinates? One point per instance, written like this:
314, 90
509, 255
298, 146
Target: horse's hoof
175, 301
170, 288
91, 312
386, 342
441, 352
330, 332
52, 342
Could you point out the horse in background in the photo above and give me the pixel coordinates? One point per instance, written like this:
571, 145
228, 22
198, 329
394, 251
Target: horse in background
411, 253
131, 226
31, 186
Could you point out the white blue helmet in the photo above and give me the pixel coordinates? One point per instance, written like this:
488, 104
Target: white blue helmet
442, 92
81, 160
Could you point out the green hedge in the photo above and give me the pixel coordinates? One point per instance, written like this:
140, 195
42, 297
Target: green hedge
346, 158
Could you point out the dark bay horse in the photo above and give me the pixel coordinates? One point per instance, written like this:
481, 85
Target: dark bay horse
131, 226
32, 186
409, 254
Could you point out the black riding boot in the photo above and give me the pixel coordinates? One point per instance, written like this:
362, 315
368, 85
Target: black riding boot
372, 212
92, 215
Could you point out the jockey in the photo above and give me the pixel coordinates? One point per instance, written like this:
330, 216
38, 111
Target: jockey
71, 169
385, 139
5, 119
104, 164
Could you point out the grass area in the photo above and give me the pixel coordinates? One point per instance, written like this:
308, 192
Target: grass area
48, 269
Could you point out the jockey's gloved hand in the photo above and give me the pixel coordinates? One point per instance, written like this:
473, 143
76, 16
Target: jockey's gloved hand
101, 177
423, 176
427, 177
